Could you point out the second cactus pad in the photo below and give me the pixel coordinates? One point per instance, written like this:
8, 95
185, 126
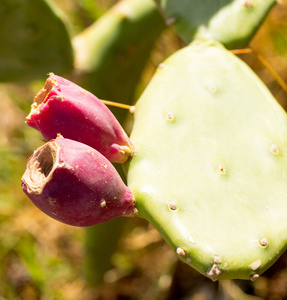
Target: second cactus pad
232, 22
210, 165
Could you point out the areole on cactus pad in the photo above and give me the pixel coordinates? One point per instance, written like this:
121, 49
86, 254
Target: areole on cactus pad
210, 163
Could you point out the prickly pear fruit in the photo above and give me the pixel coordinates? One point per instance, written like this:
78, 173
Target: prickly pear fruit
210, 165
62, 107
74, 184
231, 22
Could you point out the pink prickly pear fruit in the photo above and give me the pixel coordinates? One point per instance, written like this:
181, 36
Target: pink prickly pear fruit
62, 107
74, 184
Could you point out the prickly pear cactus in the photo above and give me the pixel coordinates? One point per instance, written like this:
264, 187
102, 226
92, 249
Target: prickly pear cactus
231, 22
210, 163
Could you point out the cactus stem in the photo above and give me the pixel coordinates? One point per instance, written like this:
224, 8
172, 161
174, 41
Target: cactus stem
172, 205
221, 169
255, 265
180, 252
253, 277
274, 149
169, 116
263, 242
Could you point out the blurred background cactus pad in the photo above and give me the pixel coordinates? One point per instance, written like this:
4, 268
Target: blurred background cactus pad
161, 139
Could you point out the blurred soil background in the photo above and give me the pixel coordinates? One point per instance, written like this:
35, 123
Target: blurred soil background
43, 259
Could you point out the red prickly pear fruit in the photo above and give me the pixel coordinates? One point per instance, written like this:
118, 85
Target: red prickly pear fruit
62, 107
74, 184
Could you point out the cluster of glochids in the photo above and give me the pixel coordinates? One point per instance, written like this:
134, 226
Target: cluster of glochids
71, 178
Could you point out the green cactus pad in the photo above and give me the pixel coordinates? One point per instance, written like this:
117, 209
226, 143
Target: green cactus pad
232, 22
210, 165
34, 41
120, 41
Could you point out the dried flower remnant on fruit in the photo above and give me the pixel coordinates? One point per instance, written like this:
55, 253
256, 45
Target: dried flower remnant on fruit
40, 167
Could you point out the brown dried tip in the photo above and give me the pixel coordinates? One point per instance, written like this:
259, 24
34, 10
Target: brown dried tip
40, 167
41, 96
